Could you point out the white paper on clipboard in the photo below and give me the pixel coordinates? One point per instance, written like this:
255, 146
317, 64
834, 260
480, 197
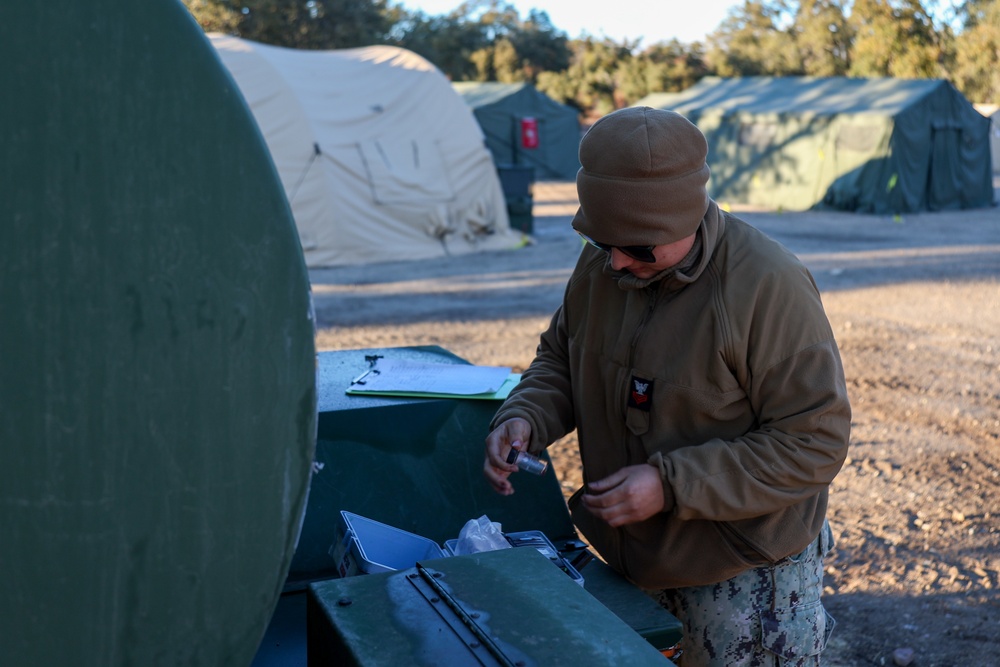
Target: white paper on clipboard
399, 375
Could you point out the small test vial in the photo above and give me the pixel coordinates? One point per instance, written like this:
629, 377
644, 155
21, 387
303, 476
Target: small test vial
527, 462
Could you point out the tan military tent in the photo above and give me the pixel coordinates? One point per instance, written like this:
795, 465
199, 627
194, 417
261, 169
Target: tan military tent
380, 159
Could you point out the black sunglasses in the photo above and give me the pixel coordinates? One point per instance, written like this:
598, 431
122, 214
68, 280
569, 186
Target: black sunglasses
641, 253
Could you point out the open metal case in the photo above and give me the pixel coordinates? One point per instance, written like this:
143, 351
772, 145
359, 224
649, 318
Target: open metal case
416, 464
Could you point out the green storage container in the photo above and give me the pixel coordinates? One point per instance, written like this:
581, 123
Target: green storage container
508, 607
412, 463
416, 464
157, 363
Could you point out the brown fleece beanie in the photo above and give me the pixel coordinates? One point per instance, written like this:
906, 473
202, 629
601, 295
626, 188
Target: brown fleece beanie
642, 179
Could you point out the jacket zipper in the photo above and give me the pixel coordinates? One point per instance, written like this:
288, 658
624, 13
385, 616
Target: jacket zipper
651, 293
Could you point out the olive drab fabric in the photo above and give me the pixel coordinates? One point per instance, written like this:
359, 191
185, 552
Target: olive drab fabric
869, 145
749, 419
502, 109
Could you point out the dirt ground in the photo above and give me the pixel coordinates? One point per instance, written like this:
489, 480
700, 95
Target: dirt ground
915, 305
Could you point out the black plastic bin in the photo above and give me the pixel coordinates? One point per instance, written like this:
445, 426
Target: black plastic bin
516, 181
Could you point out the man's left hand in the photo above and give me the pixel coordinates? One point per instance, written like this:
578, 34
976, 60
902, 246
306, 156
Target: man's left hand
628, 496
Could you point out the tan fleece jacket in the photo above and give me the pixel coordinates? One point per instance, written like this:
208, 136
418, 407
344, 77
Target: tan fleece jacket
748, 417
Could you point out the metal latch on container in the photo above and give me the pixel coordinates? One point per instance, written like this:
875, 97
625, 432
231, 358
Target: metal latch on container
469, 625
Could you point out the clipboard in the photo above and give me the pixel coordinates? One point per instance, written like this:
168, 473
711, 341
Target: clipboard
397, 377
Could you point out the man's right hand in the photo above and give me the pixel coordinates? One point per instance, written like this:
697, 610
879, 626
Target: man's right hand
512, 434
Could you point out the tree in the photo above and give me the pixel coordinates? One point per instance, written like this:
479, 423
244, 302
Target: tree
633, 78
874, 33
560, 87
308, 24
893, 41
663, 67
447, 41
540, 46
591, 82
214, 16
976, 69
674, 66
750, 43
498, 62
822, 37
485, 40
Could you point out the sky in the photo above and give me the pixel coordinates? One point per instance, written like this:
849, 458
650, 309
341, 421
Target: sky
652, 20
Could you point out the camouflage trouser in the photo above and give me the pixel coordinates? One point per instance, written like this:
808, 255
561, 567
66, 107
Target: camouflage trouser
769, 616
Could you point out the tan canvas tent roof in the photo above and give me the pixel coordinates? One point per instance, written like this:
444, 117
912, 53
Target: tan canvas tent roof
380, 159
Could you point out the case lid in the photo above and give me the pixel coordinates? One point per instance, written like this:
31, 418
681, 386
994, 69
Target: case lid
507, 607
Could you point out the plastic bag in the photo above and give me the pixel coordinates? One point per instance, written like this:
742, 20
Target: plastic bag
479, 535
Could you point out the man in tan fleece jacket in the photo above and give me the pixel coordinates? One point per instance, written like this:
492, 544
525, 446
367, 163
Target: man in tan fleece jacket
693, 356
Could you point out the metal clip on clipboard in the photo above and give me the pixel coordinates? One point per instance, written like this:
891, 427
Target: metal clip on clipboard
372, 359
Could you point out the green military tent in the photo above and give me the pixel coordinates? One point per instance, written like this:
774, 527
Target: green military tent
995, 140
873, 145
992, 111
508, 113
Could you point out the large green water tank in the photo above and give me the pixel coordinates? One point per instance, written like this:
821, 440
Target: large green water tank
157, 360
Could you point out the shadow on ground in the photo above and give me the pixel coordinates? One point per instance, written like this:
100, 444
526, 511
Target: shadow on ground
966, 634
843, 250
